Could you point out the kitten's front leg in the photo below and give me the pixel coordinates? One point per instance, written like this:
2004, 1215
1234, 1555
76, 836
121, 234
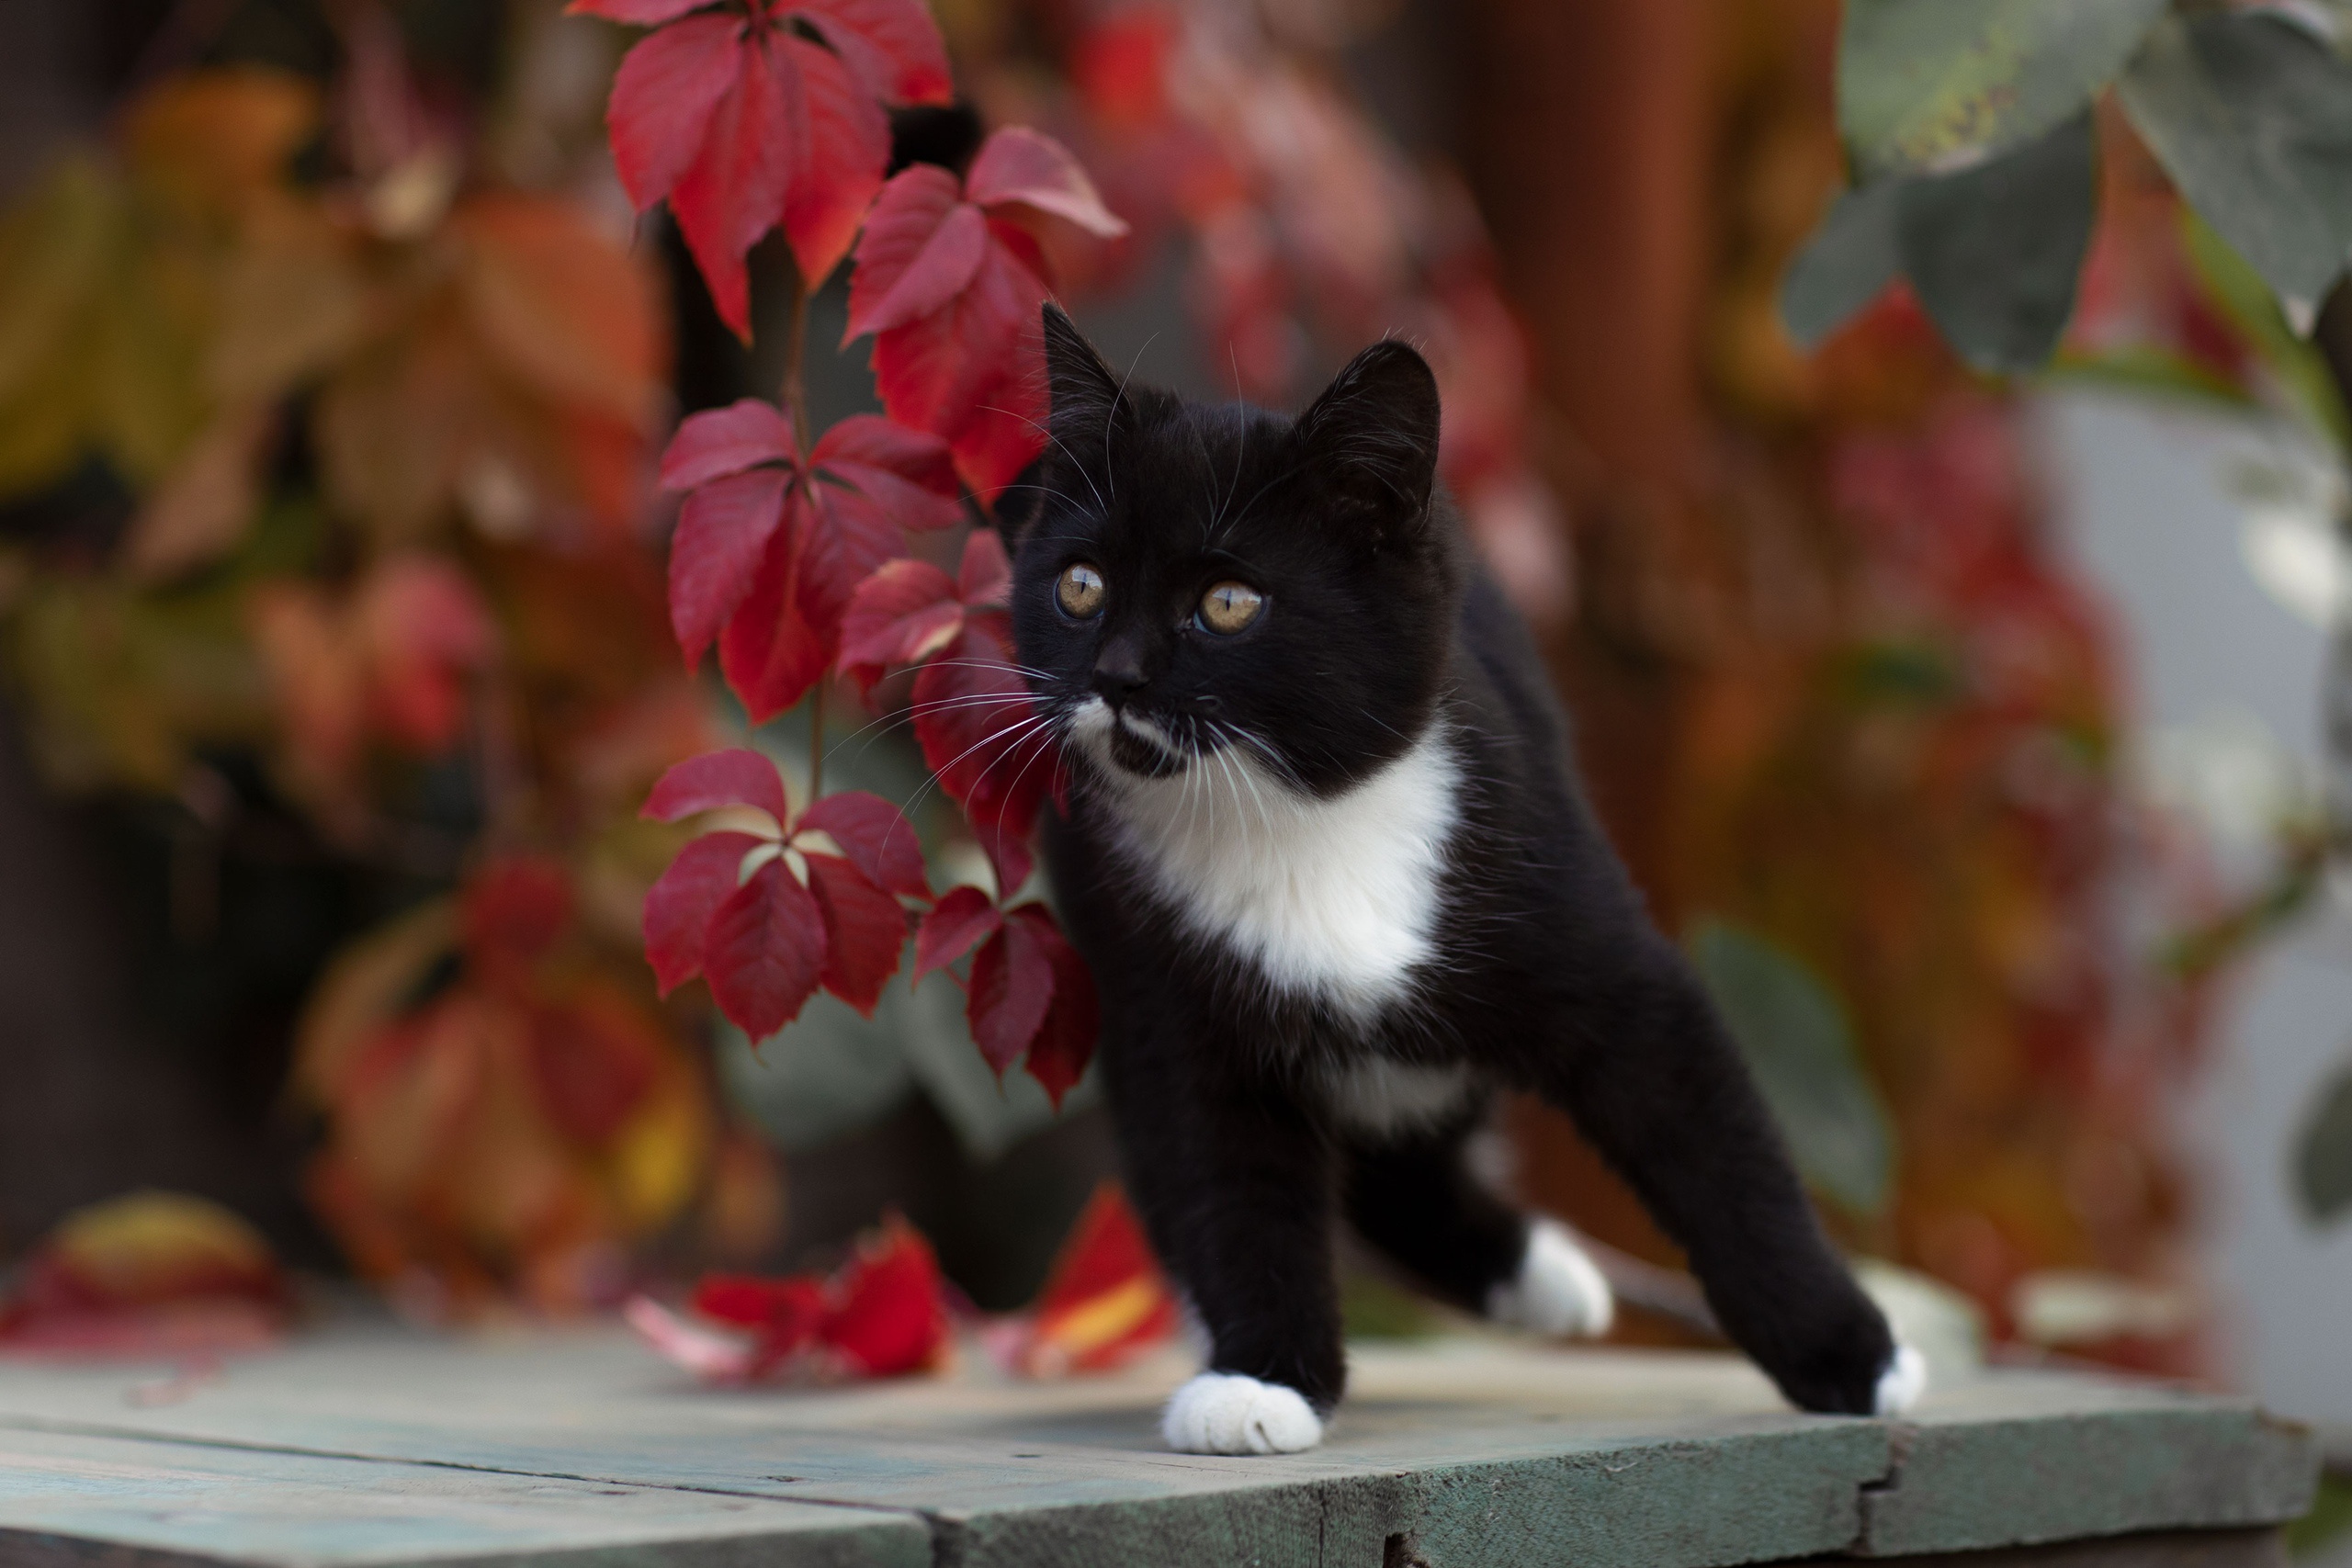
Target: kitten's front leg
1235, 1186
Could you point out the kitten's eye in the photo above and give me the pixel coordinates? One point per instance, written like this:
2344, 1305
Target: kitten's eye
1229, 606
1080, 591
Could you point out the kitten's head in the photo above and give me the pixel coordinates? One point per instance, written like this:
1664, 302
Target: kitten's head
1216, 577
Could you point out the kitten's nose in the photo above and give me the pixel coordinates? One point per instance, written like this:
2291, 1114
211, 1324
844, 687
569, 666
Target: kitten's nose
1119, 671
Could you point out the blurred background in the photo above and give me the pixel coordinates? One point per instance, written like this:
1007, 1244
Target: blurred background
1974, 732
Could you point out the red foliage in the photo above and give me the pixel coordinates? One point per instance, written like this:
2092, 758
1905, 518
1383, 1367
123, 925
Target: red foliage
770, 550
1105, 1300
734, 907
790, 565
745, 118
882, 1315
950, 280
149, 1274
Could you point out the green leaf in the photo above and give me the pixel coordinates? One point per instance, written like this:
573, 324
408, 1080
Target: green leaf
1928, 85
1797, 1042
2324, 1154
1844, 266
2252, 118
1994, 251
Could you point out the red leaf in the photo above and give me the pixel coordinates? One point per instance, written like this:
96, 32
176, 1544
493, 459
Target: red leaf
766, 950
985, 576
749, 1302
726, 441
972, 716
865, 931
724, 532
1073, 1024
910, 474
888, 1316
846, 142
957, 348
963, 918
769, 653
875, 838
733, 777
742, 123
892, 46
1105, 1298
593, 1063
907, 611
678, 908
662, 98
1012, 986
1020, 166
952, 244
513, 910
848, 536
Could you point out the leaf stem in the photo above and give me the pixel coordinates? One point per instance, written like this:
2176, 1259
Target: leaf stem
816, 742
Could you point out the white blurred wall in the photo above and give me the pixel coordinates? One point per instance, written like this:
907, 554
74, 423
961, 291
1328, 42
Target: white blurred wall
2143, 501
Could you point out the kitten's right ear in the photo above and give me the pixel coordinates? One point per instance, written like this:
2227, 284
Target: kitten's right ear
1086, 396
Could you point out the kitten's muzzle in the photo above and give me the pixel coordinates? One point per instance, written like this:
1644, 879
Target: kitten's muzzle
1118, 672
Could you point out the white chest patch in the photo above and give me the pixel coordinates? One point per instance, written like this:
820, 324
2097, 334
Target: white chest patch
1336, 898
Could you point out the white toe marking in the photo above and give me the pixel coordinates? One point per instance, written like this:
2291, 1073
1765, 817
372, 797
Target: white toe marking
1557, 1291
1225, 1413
1904, 1380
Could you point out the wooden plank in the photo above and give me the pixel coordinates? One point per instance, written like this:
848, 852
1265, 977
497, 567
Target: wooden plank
1451, 1455
2058, 1457
141, 1503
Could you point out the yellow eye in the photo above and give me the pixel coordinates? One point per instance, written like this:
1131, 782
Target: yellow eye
1230, 606
1080, 591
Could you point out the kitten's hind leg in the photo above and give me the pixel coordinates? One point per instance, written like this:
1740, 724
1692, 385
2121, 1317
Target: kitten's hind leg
1416, 1199
1644, 1064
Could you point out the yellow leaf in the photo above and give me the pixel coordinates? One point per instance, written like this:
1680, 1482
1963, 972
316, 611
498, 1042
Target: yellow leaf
215, 139
658, 1160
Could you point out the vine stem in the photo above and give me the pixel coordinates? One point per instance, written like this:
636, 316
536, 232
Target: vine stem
794, 394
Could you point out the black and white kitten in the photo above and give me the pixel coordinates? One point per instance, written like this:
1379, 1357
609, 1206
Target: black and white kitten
1324, 848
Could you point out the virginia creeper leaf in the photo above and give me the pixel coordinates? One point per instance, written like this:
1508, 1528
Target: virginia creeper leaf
724, 533
733, 777
985, 575
888, 1315
865, 931
1013, 987
975, 721
726, 441
964, 917
1067, 1035
678, 906
905, 612
744, 122
593, 1063
766, 952
875, 837
1020, 166
958, 346
910, 474
769, 653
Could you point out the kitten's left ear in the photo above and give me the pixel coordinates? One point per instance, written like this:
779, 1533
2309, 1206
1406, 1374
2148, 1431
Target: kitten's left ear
1086, 396
1373, 436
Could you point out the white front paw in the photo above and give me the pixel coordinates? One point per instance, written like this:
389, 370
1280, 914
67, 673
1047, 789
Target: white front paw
1557, 1289
1904, 1380
1225, 1413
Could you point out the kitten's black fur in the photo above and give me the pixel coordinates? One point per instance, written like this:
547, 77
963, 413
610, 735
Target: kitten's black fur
1548, 975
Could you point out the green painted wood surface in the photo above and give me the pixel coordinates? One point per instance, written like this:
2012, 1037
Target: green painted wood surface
1453, 1455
